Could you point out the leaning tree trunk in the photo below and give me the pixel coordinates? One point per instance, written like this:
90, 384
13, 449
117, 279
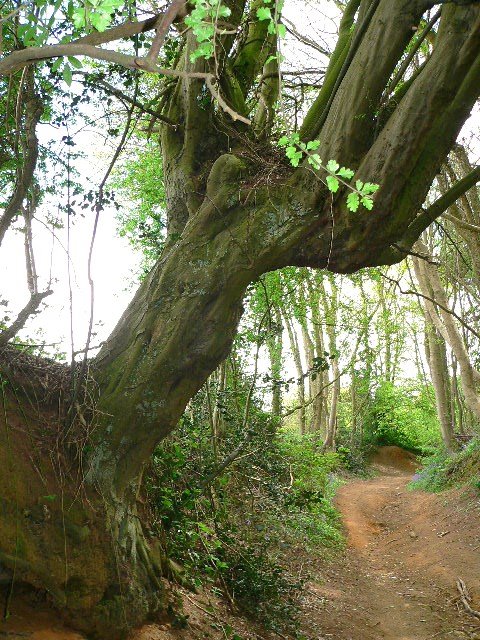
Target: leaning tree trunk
222, 236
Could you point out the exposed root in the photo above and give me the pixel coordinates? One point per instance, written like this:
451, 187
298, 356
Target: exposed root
466, 598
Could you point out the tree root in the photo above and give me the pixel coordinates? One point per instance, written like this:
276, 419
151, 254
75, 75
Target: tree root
466, 598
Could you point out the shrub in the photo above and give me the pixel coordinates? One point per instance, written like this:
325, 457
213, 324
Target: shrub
441, 470
404, 416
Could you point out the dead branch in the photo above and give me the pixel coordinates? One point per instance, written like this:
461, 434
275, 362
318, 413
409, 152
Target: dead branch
466, 598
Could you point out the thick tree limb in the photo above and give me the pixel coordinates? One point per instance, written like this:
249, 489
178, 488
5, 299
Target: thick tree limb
427, 216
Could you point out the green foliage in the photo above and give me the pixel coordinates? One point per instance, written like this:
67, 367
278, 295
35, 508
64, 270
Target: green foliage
95, 13
275, 27
138, 181
442, 470
313, 485
234, 532
203, 22
404, 416
361, 193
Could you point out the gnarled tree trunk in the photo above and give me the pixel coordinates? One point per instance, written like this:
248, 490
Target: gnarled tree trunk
181, 323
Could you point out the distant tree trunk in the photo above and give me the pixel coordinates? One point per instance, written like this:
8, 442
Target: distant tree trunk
331, 307
431, 286
329, 443
275, 354
457, 401
314, 347
436, 353
302, 418
386, 338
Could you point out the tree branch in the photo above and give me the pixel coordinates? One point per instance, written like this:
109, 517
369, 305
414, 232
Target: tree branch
33, 112
175, 8
427, 216
122, 31
433, 301
126, 98
29, 309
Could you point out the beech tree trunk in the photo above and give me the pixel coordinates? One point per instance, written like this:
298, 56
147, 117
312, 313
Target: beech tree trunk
439, 314
222, 236
437, 361
302, 415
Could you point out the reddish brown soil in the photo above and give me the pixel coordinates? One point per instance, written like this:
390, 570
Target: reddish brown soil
405, 552
395, 581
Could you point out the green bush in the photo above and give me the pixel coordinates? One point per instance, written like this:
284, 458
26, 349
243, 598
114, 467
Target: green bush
404, 416
442, 470
235, 533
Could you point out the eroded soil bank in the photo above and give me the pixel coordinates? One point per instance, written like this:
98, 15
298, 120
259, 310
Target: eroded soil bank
396, 579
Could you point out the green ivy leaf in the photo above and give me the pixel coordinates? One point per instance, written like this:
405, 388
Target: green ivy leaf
315, 161
57, 64
272, 27
75, 62
367, 202
346, 173
313, 144
270, 59
369, 187
67, 74
224, 12
281, 30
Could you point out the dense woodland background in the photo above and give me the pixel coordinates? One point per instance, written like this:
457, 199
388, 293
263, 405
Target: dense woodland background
327, 364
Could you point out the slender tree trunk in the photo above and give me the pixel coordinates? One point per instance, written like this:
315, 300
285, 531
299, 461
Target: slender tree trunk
431, 286
330, 303
275, 354
436, 353
300, 374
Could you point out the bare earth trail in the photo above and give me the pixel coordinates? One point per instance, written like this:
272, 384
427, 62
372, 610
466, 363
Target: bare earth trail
406, 550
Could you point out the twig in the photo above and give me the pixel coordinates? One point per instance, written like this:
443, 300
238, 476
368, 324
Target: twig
466, 598
425, 297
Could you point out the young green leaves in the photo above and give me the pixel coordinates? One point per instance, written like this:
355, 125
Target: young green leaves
95, 13
202, 21
265, 13
360, 194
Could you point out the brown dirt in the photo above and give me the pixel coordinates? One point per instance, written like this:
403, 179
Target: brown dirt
406, 550
395, 581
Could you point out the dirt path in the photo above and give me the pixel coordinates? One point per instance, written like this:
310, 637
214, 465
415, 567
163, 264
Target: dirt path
405, 552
